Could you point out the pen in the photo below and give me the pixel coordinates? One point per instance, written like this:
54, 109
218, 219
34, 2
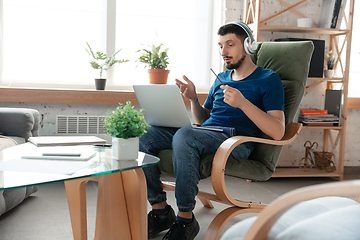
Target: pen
102, 145
217, 76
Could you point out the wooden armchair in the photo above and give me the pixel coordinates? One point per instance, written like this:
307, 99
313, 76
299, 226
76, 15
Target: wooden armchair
291, 61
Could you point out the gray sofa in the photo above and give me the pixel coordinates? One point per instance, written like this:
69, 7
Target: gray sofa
16, 126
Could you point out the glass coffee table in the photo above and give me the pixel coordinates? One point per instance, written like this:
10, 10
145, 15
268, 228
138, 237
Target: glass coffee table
121, 205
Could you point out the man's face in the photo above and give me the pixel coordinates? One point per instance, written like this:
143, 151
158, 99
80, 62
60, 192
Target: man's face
232, 50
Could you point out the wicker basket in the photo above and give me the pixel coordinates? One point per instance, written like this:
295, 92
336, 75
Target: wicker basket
323, 160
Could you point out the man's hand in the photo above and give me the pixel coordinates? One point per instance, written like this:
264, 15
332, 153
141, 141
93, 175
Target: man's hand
271, 123
233, 97
187, 89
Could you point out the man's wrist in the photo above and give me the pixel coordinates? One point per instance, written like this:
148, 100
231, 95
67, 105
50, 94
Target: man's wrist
195, 100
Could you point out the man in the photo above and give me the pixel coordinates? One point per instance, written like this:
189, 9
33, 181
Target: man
251, 100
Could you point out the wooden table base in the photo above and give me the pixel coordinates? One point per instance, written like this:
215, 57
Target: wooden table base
121, 206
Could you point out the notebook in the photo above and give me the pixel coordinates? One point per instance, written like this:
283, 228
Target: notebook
165, 107
65, 140
81, 153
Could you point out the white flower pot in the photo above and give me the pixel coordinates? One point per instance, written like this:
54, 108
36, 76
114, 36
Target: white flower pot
329, 73
125, 149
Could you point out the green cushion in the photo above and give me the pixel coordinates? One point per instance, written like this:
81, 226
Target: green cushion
291, 61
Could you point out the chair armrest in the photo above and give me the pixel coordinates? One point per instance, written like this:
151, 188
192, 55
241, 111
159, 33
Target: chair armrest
272, 212
225, 149
19, 122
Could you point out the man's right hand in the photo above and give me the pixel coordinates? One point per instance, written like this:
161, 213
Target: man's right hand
187, 89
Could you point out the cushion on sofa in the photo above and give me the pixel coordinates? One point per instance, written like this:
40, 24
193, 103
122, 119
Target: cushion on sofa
321, 218
11, 198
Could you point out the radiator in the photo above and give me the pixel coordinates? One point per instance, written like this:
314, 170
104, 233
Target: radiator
72, 125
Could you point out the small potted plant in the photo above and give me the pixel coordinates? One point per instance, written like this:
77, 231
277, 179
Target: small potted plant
157, 62
331, 60
103, 63
125, 125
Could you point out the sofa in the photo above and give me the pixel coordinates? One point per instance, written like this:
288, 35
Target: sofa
16, 126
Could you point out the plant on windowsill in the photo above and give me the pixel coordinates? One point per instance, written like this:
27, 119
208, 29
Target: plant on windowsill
331, 60
157, 62
104, 63
125, 125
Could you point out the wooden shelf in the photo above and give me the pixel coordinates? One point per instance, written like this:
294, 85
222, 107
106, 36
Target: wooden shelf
297, 172
342, 46
324, 31
324, 127
326, 79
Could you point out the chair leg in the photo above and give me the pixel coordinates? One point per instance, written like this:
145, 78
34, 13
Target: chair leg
219, 222
205, 202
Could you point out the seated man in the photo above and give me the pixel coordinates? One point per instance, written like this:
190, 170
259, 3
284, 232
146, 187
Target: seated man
250, 100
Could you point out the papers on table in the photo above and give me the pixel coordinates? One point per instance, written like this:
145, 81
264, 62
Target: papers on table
43, 166
66, 140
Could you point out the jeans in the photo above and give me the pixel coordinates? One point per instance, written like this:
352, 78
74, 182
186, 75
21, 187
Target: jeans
187, 145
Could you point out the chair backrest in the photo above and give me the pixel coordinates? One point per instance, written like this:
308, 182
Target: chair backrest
291, 60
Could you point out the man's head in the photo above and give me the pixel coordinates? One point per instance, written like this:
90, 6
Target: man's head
231, 42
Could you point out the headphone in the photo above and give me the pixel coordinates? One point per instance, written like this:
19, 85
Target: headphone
250, 44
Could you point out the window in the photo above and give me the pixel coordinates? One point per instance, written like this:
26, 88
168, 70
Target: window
44, 40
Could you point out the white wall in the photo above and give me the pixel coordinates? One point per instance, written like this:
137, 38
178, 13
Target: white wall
314, 98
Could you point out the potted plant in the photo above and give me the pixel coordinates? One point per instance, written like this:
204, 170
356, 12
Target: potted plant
331, 60
125, 125
157, 62
103, 63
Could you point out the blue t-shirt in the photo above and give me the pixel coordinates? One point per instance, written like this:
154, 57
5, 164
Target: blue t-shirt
263, 88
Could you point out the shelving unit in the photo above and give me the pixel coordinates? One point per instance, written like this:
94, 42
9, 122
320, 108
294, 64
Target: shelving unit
252, 10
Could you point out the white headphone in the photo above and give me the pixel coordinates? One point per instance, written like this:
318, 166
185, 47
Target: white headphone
250, 44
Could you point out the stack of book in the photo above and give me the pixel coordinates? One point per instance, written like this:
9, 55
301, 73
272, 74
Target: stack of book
317, 117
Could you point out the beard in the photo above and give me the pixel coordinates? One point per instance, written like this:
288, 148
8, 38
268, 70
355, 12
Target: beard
235, 65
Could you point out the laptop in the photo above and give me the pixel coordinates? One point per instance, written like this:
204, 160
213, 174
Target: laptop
164, 106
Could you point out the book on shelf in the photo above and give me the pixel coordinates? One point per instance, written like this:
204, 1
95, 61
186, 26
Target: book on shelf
324, 124
318, 117
333, 102
305, 112
341, 14
335, 15
329, 13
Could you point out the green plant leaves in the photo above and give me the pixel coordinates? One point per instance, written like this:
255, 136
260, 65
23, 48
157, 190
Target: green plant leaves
154, 59
125, 122
103, 62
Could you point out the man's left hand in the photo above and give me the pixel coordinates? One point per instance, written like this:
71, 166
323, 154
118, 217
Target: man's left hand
233, 97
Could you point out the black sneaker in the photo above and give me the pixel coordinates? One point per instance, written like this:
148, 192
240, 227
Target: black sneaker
158, 223
181, 231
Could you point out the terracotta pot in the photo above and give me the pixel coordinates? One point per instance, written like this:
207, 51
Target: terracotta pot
100, 83
158, 76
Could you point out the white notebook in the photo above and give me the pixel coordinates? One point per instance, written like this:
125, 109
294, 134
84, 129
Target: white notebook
66, 140
81, 153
